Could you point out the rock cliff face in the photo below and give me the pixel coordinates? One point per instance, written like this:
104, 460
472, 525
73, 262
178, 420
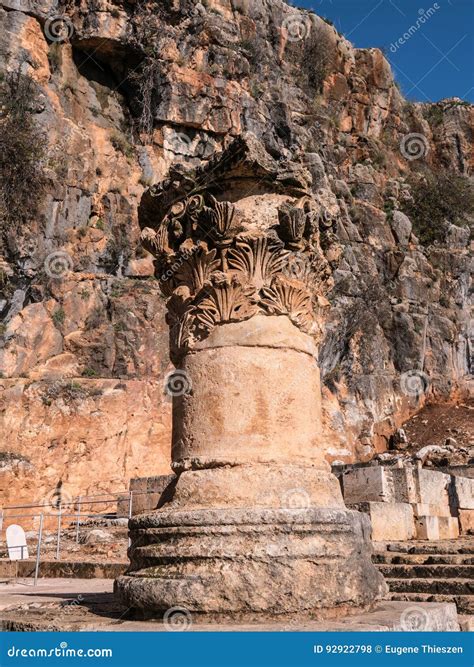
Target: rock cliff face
123, 91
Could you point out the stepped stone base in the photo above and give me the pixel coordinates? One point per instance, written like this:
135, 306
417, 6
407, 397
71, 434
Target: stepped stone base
386, 616
430, 572
464, 603
250, 561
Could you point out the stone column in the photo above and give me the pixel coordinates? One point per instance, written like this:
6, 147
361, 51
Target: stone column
256, 523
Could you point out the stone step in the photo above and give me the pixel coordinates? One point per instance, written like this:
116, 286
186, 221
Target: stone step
438, 547
414, 571
62, 569
102, 612
395, 557
464, 603
433, 586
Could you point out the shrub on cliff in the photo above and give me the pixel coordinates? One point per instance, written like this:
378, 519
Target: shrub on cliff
22, 154
317, 61
439, 199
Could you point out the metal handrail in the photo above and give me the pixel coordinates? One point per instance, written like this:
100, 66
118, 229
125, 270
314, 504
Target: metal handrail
55, 515
80, 500
59, 514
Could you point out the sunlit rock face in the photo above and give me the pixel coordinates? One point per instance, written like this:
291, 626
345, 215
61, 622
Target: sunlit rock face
128, 92
257, 520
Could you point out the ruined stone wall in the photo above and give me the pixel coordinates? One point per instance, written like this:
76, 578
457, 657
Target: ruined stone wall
125, 91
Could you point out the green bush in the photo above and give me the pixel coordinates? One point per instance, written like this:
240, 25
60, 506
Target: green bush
439, 199
22, 154
317, 61
122, 144
59, 316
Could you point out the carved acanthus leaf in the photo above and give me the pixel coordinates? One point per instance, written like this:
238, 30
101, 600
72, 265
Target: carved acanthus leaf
292, 225
258, 260
194, 205
155, 242
182, 331
285, 298
298, 267
167, 283
226, 302
197, 270
216, 219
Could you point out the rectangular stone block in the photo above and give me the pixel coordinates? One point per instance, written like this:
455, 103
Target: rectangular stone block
147, 492
464, 492
466, 522
448, 527
390, 521
427, 528
433, 487
366, 484
138, 484
405, 487
423, 509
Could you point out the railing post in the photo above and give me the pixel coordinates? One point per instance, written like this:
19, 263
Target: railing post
38, 548
58, 538
78, 518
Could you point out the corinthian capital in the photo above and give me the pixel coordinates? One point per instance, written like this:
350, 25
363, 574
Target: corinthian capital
229, 250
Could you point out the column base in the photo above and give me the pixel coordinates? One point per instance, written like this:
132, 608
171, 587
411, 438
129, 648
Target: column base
250, 561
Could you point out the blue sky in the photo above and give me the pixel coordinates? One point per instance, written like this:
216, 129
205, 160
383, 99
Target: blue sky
437, 59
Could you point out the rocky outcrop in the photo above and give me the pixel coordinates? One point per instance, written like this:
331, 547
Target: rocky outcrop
126, 91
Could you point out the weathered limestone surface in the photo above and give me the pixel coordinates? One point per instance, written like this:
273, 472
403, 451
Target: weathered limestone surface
464, 492
448, 527
390, 521
436, 501
57, 420
367, 484
256, 522
53, 593
423, 509
427, 528
250, 561
146, 494
433, 487
466, 521
221, 70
